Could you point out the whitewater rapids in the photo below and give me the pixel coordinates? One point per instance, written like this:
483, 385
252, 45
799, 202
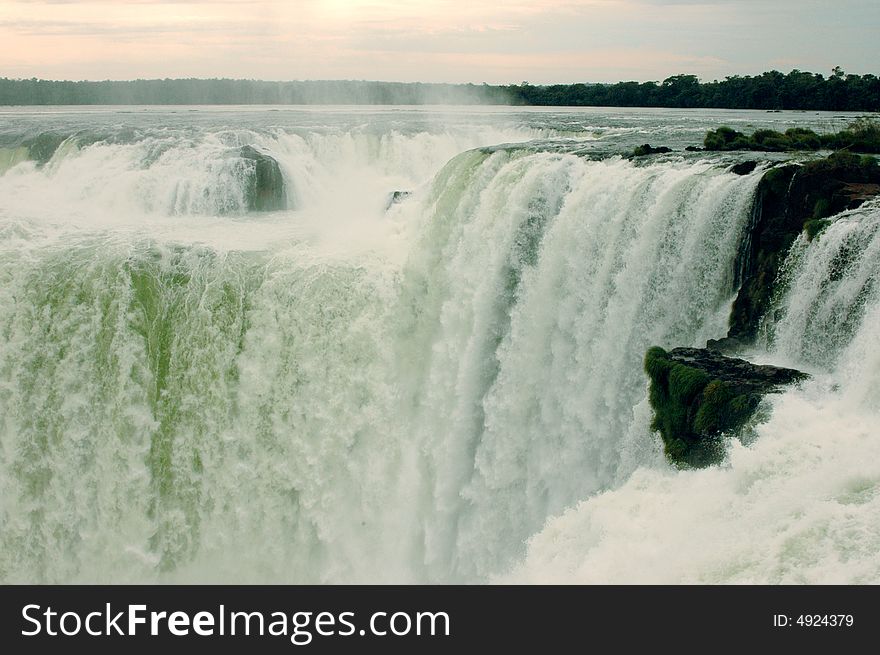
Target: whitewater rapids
446, 390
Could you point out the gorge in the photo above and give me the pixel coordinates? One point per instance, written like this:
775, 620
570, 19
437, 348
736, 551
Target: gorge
386, 345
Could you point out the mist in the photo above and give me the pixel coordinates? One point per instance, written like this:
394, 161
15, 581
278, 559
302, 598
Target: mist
245, 92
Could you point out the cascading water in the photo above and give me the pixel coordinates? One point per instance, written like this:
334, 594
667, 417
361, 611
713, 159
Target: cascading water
190, 391
800, 504
535, 290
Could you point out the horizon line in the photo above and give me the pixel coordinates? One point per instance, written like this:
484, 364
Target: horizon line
386, 81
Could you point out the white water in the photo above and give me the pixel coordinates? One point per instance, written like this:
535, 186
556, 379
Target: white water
538, 285
800, 504
339, 393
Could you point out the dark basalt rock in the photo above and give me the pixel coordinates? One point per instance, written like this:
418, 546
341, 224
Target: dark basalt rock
648, 149
266, 186
725, 345
744, 167
694, 149
790, 199
396, 197
698, 394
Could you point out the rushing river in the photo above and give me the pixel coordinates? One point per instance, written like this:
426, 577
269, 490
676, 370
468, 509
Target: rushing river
443, 386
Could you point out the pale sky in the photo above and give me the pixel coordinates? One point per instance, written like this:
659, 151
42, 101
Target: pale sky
506, 41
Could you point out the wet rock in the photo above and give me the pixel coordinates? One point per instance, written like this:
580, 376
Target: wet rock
744, 167
791, 199
265, 190
396, 197
648, 149
698, 394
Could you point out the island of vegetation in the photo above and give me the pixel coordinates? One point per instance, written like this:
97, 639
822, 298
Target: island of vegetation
862, 135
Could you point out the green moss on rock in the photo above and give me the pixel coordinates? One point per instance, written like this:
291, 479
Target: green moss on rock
724, 138
699, 395
814, 227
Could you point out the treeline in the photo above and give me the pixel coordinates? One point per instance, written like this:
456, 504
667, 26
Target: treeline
771, 90
242, 92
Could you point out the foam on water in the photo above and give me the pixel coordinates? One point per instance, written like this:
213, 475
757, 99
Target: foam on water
800, 504
340, 393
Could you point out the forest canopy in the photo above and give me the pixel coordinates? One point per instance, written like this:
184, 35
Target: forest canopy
770, 91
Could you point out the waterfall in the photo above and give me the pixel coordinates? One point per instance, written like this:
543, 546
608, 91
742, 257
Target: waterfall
799, 504
538, 284
193, 392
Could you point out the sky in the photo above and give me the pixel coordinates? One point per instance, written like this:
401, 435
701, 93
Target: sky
503, 41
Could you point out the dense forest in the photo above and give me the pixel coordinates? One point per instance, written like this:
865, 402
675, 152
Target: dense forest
772, 90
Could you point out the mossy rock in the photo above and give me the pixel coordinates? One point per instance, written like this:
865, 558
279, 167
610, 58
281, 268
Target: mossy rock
699, 395
724, 138
815, 227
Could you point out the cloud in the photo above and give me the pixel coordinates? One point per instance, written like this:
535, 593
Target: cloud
88, 29
136, 2
435, 40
